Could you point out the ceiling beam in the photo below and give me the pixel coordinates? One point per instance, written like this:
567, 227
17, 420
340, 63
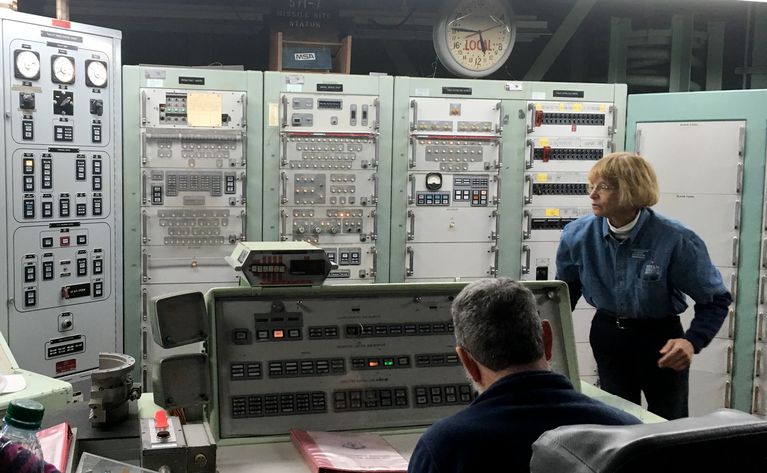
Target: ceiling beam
559, 40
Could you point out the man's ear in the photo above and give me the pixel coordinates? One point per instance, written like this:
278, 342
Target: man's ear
548, 339
469, 363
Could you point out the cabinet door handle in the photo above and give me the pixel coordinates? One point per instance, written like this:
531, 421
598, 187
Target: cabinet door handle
414, 106
144, 264
531, 155
529, 225
531, 113
731, 323
284, 224
411, 219
284, 122
528, 198
144, 224
526, 267
284, 160
144, 305
411, 261
284, 193
499, 107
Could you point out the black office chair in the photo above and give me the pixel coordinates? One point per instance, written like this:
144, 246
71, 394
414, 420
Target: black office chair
724, 441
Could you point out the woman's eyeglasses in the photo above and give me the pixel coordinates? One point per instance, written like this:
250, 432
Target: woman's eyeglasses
602, 186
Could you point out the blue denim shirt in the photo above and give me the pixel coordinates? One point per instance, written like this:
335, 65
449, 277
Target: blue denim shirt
646, 275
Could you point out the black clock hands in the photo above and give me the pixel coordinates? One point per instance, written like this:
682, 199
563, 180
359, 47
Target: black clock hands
465, 30
483, 31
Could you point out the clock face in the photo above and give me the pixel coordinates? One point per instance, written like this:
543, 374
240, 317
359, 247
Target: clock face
63, 68
474, 37
27, 65
96, 73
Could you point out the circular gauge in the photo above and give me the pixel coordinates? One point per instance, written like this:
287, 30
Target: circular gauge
27, 64
474, 38
434, 181
96, 73
63, 68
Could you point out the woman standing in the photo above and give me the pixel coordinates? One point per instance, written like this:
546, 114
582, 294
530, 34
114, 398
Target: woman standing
635, 267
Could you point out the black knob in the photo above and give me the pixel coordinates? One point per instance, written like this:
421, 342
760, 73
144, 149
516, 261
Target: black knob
97, 107
26, 101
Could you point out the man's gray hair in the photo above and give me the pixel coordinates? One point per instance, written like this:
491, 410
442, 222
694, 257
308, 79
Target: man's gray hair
496, 320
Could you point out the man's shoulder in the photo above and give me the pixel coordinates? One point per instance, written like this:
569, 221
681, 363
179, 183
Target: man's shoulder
602, 413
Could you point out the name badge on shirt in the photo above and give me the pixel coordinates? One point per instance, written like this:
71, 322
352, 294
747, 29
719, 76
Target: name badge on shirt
651, 271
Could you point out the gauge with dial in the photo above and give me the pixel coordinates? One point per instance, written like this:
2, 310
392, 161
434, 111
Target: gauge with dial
27, 64
96, 73
434, 181
62, 69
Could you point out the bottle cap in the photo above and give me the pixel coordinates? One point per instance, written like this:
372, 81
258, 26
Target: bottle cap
24, 414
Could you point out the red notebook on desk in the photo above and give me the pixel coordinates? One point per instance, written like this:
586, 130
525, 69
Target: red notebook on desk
329, 452
55, 442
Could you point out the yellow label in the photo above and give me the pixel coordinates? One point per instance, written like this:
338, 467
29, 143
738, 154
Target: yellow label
203, 109
552, 212
543, 141
561, 106
601, 108
577, 107
538, 106
542, 177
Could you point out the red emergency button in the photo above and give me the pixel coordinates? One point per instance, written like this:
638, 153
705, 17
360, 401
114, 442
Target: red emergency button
64, 240
278, 334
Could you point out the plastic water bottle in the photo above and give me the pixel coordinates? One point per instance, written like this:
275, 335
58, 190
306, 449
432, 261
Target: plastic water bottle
20, 426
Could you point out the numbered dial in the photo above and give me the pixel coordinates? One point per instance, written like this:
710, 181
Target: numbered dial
96, 73
27, 64
63, 68
475, 36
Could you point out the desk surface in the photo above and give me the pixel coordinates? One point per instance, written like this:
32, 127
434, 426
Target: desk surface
54, 394
282, 457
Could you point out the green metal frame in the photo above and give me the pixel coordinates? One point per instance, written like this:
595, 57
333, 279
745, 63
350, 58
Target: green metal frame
729, 105
135, 78
276, 83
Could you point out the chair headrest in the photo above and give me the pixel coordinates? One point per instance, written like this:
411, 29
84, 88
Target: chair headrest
599, 448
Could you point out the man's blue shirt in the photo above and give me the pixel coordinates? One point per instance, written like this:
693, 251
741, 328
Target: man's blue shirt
646, 275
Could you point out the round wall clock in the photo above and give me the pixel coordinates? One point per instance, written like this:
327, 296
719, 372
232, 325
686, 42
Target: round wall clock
473, 38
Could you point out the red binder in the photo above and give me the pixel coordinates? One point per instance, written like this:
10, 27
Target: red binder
331, 452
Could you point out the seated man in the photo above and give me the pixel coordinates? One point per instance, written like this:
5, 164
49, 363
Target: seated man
505, 349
